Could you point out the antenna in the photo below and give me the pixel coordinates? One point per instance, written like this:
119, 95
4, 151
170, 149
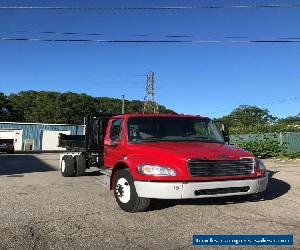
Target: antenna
149, 99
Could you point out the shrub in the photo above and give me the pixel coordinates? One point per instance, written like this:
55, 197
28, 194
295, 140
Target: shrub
291, 155
263, 148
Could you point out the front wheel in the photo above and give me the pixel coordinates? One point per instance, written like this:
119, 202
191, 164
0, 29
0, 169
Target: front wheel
125, 193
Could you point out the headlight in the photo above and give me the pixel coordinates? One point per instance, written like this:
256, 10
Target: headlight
261, 166
155, 170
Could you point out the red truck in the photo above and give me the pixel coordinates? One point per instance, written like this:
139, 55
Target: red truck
162, 156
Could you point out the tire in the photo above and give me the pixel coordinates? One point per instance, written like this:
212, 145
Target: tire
11, 151
125, 193
80, 165
68, 166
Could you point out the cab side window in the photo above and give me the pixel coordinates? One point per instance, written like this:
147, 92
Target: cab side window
115, 131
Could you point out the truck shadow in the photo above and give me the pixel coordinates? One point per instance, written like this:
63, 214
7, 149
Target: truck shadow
16, 165
275, 189
93, 173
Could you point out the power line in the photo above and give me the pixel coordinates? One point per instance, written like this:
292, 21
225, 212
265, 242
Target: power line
263, 40
153, 35
118, 85
87, 40
123, 75
91, 34
263, 104
99, 8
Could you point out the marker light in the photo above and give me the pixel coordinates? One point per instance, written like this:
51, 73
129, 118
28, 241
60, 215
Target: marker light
261, 166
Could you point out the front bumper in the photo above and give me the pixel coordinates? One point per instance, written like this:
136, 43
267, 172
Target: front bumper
192, 190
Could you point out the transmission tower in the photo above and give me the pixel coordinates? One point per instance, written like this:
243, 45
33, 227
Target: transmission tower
149, 99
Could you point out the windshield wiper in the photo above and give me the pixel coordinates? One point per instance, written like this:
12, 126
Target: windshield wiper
152, 139
176, 138
195, 136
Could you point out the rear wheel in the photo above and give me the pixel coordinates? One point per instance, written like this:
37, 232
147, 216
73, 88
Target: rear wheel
125, 193
68, 166
80, 165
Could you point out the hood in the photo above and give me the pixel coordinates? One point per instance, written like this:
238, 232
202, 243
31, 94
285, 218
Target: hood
188, 150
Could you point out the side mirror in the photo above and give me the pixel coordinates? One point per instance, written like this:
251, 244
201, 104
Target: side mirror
226, 139
225, 132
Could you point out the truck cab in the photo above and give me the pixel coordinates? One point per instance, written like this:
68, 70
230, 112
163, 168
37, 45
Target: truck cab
166, 156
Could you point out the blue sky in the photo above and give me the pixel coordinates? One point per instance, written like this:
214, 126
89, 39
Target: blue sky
210, 79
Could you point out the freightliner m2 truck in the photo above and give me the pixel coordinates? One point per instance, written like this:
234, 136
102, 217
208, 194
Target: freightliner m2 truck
162, 156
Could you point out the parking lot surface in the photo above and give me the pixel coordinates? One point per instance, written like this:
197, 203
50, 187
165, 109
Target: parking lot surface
40, 209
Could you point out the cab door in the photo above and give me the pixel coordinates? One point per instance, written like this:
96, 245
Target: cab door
112, 143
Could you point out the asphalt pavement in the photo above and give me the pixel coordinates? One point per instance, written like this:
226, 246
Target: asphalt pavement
40, 209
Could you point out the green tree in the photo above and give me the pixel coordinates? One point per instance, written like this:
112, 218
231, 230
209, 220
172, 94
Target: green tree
108, 105
54, 107
22, 103
73, 107
134, 106
290, 120
249, 119
5, 107
246, 116
51, 107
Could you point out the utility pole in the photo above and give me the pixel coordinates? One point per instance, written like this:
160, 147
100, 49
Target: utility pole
123, 104
149, 99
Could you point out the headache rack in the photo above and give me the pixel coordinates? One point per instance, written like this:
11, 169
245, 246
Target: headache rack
211, 168
92, 140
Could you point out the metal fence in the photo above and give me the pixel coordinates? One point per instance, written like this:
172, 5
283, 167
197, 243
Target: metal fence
291, 139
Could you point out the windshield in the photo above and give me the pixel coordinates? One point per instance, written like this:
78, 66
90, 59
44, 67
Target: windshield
149, 129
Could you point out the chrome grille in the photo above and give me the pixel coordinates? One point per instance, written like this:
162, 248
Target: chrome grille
207, 168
